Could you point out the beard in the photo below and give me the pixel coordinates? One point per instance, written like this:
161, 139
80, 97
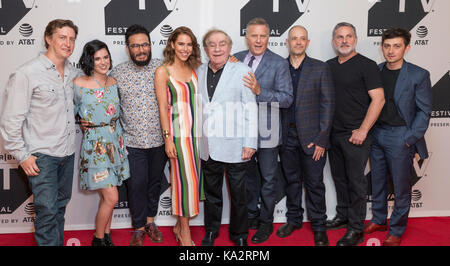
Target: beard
344, 49
139, 62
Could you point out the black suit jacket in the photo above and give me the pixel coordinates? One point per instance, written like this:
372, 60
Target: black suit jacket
314, 105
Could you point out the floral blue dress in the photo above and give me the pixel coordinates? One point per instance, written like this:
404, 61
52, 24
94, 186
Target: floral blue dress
103, 156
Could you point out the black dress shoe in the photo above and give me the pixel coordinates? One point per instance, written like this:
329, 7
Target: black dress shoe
320, 238
351, 238
336, 223
287, 229
253, 223
208, 239
241, 242
263, 233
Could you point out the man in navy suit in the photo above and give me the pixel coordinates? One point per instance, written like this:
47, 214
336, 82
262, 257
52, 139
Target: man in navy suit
306, 130
398, 134
272, 85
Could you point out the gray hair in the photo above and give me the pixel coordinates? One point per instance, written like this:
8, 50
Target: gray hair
213, 31
257, 21
343, 24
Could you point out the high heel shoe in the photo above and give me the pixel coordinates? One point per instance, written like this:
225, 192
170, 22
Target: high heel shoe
180, 238
177, 231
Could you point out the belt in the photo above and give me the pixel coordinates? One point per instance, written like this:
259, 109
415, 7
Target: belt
102, 124
293, 125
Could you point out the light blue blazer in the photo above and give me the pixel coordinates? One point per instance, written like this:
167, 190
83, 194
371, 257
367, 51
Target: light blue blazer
230, 119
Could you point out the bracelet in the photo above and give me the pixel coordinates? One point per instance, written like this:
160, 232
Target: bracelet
166, 134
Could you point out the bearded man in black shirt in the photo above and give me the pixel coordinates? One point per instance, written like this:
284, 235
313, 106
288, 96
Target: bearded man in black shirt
359, 100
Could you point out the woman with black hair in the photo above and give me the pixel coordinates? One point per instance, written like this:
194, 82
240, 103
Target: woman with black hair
103, 157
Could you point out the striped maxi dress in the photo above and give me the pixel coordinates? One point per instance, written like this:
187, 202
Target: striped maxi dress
186, 177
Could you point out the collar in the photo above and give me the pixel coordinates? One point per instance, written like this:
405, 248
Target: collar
219, 68
48, 64
257, 57
300, 66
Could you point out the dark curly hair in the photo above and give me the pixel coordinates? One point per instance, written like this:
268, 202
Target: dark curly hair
396, 32
169, 53
87, 57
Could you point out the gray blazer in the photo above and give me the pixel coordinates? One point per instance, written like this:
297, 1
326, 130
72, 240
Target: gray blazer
276, 92
230, 120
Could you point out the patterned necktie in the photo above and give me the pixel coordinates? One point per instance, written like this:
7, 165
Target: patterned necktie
250, 63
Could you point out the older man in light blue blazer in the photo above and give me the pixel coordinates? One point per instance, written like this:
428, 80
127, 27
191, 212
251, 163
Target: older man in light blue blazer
229, 136
272, 84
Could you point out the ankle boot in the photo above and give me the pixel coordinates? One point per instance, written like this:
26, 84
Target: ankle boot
98, 242
108, 240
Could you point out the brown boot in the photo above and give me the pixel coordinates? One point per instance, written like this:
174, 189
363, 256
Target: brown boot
138, 238
153, 233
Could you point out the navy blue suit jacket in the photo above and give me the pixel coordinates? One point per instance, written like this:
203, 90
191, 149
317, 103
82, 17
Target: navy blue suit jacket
275, 81
413, 98
314, 105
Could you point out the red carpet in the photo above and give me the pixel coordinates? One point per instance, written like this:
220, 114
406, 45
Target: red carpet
430, 231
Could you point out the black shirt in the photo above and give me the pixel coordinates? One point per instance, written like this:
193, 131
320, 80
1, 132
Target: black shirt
352, 81
212, 80
389, 115
295, 76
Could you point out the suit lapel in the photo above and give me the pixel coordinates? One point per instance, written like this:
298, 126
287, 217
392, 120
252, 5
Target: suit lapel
305, 73
202, 76
401, 82
263, 65
219, 90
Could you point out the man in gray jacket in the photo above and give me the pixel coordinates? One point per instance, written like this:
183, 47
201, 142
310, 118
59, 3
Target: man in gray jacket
38, 128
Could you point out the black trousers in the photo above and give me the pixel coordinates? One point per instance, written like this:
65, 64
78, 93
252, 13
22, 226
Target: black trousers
301, 169
144, 185
348, 163
214, 174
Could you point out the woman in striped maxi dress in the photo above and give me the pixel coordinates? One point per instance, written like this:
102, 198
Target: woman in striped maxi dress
176, 86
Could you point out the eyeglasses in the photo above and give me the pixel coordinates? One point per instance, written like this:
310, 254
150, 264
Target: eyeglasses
137, 45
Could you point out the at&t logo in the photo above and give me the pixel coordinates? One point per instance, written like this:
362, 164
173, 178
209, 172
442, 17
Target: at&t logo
421, 32
166, 204
401, 13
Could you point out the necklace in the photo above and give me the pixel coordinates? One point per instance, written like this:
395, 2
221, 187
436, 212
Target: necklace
104, 86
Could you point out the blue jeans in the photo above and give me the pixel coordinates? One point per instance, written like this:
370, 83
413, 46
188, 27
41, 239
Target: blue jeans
52, 190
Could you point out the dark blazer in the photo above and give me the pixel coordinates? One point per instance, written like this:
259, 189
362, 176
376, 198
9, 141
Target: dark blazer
314, 105
273, 77
413, 98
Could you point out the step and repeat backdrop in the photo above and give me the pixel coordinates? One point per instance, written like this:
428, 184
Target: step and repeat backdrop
22, 24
